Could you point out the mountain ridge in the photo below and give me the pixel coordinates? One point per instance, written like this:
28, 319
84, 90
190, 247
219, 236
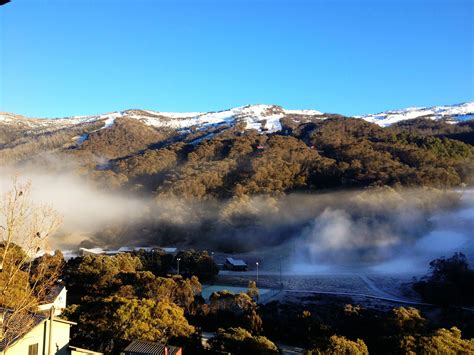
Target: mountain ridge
255, 149
252, 115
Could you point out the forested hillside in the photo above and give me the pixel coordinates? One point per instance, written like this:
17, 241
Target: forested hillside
334, 153
225, 160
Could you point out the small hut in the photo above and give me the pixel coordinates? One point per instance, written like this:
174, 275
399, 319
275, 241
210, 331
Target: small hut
235, 264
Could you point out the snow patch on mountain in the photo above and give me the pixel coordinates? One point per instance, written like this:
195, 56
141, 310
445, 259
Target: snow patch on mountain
175, 114
460, 112
6, 117
260, 117
110, 119
263, 118
303, 112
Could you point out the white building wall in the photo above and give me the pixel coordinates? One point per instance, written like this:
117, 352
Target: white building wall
60, 338
35, 336
59, 303
40, 335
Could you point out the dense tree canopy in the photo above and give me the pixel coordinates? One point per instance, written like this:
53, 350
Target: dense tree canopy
443, 341
336, 152
148, 319
198, 263
240, 341
116, 301
451, 281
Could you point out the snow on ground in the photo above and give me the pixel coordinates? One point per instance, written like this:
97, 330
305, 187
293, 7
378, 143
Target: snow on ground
303, 112
259, 117
110, 119
263, 118
185, 121
5, 117
175, 114
460, 112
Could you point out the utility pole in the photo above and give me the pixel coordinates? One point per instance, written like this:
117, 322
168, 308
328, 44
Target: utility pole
257, 269
281, 282
50, 341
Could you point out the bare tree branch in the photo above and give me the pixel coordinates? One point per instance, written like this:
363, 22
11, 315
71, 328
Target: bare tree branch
24, 280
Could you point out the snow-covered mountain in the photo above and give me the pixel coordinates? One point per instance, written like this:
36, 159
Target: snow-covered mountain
454, 114
261, 117
264, 118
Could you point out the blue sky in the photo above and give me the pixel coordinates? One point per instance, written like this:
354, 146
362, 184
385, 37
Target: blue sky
75, 57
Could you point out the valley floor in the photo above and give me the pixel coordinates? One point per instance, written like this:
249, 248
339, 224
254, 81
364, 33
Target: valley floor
381, 286
371, 290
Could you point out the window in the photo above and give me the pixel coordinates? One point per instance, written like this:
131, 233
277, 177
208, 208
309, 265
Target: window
33, 349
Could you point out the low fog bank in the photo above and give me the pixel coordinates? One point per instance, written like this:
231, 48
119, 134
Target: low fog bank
404, 243
452, 231
85, 210
375, 230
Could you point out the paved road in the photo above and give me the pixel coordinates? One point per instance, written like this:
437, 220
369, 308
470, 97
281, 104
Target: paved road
378, 292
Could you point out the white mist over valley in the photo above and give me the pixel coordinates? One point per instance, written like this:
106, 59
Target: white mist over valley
366, 231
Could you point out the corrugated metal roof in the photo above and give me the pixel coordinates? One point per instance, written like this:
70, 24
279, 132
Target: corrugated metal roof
85, 351
142, 347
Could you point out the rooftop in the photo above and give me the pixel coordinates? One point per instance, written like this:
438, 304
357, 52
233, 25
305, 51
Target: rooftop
236, 262
28, 321
141, 347
53, 293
